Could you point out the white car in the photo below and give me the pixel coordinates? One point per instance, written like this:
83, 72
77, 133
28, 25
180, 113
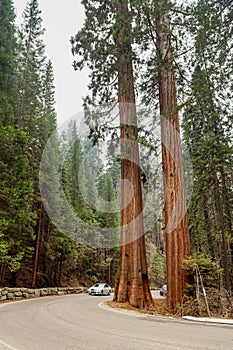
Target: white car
163, 290
100, 289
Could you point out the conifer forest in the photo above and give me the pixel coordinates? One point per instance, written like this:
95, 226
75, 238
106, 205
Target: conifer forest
137, 191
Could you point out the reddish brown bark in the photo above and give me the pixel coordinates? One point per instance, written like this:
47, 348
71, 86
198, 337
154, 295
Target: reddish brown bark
177, 233
132, 281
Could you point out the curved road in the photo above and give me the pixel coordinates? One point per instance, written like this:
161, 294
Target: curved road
77, 322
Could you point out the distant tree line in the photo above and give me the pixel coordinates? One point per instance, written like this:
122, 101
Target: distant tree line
33, 252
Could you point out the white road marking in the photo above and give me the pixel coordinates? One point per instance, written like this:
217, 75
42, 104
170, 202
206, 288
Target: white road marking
133, 313
7, 345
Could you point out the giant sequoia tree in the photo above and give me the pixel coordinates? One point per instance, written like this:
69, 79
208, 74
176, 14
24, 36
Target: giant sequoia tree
113, 48
153, 36
177, 233
132, 282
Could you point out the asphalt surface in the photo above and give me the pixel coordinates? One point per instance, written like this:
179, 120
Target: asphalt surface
78, 322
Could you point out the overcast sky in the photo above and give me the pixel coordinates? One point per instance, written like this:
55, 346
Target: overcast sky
62, 19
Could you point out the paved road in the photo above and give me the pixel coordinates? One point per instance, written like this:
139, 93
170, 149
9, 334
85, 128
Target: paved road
77, 322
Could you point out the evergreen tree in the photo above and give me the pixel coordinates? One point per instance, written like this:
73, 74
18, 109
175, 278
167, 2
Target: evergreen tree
52, 216
208, 129
105, 43
80, 187
153, 37
17, 218
36, 113
72, 164
92, 45
46, 130
22, 215
110, 215
109, 218
48, 117
31, 62
8, 94
132, 283
177, 232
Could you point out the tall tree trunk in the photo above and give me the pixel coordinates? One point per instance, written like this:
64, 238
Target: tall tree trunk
36, 258
228, 220
132, 282
2, 274
60, 267
225, 253
176, 223
161, 236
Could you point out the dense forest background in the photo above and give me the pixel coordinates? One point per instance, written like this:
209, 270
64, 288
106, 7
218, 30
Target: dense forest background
33, 251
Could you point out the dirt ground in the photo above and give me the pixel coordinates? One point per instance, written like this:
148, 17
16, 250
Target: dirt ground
159, 308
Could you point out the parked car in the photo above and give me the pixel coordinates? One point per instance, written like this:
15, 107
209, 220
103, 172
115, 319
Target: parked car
163, 290
100, 289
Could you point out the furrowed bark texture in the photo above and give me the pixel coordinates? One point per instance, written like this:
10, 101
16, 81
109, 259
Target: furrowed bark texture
177, 233
132, 282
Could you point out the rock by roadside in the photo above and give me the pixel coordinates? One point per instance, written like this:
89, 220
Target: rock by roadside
21, 293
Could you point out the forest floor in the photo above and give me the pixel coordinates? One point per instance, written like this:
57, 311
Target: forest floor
159, 308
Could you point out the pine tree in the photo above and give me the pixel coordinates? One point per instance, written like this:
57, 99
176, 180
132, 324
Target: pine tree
52, 216
48, 117
208, 128
36, 114
17, 218
17, 213
46, 130
73, 160
109, 196
8, 87
31, 62
80, 187
110, 210
109, 217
